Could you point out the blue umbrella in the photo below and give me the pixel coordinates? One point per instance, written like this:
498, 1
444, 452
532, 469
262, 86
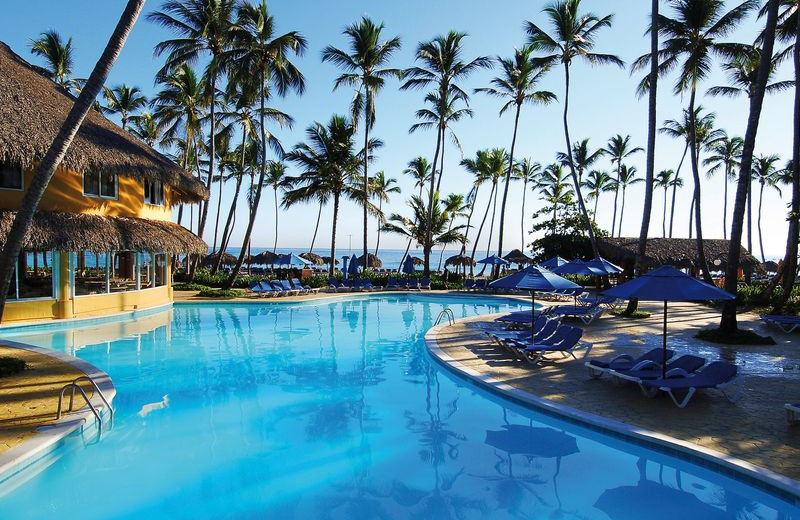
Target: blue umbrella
604, 265
578, 267
408, 265
553, 262
493, 260
668, 284
291, 259
534, 278
353, 268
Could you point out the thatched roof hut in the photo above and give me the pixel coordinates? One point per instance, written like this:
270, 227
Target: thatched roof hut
327, 260
314, 258
518, 257
227, 259
372, 261
32, 110
678, 252
459, 260
56, 231
417, 260
265, 258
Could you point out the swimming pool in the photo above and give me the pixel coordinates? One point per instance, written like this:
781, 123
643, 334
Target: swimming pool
334, 409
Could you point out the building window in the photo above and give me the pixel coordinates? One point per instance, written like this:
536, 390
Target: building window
33, 276
10, 177
102, 185
153, 192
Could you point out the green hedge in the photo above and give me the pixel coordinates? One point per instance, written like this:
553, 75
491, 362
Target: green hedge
221, 293
10, 366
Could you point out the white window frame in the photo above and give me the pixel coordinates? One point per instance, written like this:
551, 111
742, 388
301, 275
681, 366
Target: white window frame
153, 184
99, 184
54, 280
21, 177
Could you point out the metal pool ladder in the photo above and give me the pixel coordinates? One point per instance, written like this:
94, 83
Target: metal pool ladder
74, 386
445, 313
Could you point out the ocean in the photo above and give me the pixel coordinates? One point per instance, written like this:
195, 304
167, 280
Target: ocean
391, 258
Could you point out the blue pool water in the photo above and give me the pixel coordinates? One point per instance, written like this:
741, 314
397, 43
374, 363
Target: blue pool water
334, 410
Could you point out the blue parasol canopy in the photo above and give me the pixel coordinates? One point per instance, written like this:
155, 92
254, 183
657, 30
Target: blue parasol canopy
604, 265
579, 267
528, 440
353, 267
291, 259
553, 262
535, 278
493, 260
408, 265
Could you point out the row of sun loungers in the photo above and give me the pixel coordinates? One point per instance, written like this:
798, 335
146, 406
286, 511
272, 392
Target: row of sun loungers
414, 284
270, 288
352, 284
685, 375
787, 324
549, 337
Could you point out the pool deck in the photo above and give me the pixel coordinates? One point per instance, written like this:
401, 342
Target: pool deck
754, 429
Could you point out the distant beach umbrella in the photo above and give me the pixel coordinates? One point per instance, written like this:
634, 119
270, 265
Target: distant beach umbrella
327, 260
578, 267
460, 260
265, 258
373, 261
314, 258
553, 262
518, 257
408, 265
292, 259
353, 267
417, 260
604, 265
227, 259
493, 260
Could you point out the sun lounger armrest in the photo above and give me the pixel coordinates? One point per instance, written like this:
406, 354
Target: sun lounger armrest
647, 363
677, 372
622, 357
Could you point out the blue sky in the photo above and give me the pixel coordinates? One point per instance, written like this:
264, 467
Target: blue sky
602, 103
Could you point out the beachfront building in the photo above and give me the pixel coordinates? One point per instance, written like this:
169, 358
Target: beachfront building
102, 239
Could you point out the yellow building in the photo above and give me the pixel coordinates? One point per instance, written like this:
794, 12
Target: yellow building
103, 236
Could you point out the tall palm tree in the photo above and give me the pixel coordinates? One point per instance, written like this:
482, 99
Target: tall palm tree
583, 157
666, 179
453, 206
478, 169
58, 148
145, 127
528, 172
597, 182
725, 158
618, 149
364, 70
331, 168
573, 37
381, 187
441, 66
124, 100
517, 86
690, 42
257, 51
420, 170
554, 188
742, 71
59, 56
627, 177
766, 173
203, 28
488, 165
279, 181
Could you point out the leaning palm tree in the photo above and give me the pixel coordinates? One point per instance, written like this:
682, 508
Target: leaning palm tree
597, 182
691, 39
627, 177
145, 127
330, 168
58, 148
364, 69
766, 173
203, 28
58, 55
573, 38
381, 187
517, 86
124, 100
527, 171
725, 159
666, 179
477, 167
420, 170
488, 165
454, 206
256, 50
618, 149
279, 181
441, 66
554, 188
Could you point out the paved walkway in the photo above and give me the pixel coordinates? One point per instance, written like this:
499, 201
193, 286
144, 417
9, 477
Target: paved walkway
753, 429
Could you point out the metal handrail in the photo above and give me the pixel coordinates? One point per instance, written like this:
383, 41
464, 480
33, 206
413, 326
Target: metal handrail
451, 319
88, 402
96, 389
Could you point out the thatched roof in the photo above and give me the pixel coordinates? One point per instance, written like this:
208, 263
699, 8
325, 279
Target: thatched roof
372, 261
459, 260
227, 259
518, 257
327, 260
52, 230
417, 260
678, 252
265, 258
32, 110
312, 257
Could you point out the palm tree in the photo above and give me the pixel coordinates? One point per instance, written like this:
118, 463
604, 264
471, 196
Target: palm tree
584, 159
488, 165
527, 171
554, 187
453, 206
203, 28
477, 168
381, 187
58, 148
597, 182
279, 181
256, 51
691, 37
766, 173
363, 71
59, 57
442, 65
145, 127
666, 179
618, 149
420, 170
725, 158
330, 167
574, 37
742, 71
517, 85
124, 100
627, 176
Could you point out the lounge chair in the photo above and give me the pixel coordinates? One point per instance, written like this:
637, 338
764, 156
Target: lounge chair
469, 285
587, 314
335, 284
392, 283
297, 284
650, 369
366, 283
288, 288
425, 283
787, 324
598, 367
720, 375
413, 284
277, 288
792, 413
481, 285
544, 330
609, 302
257, 289
565, 341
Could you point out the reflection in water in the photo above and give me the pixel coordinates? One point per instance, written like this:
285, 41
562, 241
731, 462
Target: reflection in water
336, 411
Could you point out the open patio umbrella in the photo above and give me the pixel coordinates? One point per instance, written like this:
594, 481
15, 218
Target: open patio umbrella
292, 259
352, 268
265, 258
604, 265
493, 260
667, 284
518, 257
408, 265
553, 262
534, 279
578, 267
313, 258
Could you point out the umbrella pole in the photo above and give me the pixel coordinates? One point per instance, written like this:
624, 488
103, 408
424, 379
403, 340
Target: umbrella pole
664, 345
533, 315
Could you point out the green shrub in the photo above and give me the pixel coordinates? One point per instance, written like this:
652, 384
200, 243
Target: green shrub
221, 293
636, 315
185, 286
10, 366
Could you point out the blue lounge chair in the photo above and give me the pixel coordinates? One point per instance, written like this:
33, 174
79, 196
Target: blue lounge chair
255, 288
403, 283
277, 288
792, 413
425, 283
608, 301
598, 367
565, 341
335, 284
544, 330
297, 284
587, 314
481, 285
469, 285
787, 324
719, 375
650, 369
288, 287
391, 283
413, 284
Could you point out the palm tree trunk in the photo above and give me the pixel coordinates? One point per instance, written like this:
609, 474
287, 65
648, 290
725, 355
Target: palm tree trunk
664, 220
725, 204
691, 216
441, 254
332, 266
728, 321
212, 150
441, 163
316, 228
621, 213
184, 161
469, 219
508, 182
616, 197
694, 158
58, 148
750, 214
675, 188
522, 220
480, 230
232, 211
596, 200
429, 232
275, 244
760, 240
491, 232
575, 180
365, 185
219, 208
378, 225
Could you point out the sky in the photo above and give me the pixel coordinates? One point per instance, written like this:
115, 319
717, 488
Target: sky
602, 103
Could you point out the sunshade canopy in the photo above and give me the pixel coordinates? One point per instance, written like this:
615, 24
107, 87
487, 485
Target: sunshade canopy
604, 265
291, 259
668, 284
553, 262
493, 260
535, 278
579, 267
